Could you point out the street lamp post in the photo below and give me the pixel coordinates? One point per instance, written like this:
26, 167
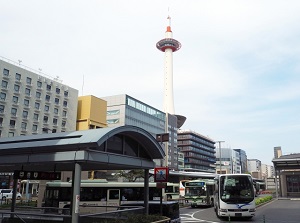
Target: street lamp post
220, 154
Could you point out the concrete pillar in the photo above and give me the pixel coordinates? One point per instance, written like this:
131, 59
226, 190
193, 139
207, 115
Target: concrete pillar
76, 193
146, 191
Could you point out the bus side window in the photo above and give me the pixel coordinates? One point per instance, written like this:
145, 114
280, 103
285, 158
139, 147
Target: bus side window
114, 194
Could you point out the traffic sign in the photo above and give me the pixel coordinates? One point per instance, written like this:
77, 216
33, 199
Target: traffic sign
161, 174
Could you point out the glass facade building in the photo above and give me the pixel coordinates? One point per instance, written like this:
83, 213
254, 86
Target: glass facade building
126, 110
198, 150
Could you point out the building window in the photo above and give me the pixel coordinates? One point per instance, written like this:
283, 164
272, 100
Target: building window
15, 99
112, 121
12, 123
5, 72
2, 96
11, 134
37, 105
55, 110
24, 125
34, 128
65, 103
63, 123
47, 97
28, 80
45, 119
18, 76
38, 94
113, 112
14, 111
48, 87
4, 84
25, 114
56, 100
53, 130
35, 117
66, 93
39, 84
55, 121
46, 108
57, 90
26, 102
27, 91
2, 108
64, 114
17, 88
45, 130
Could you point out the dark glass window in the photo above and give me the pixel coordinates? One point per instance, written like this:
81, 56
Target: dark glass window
5, 72
18, 76
28, 80
2, 96
39, 84
47, 97
4, 84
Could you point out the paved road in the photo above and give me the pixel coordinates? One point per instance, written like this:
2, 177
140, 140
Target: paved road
277, 211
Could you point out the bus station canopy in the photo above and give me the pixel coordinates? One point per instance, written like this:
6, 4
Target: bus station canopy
117, 148
287, 162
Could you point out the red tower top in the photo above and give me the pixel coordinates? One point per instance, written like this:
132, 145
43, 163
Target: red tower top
168, 42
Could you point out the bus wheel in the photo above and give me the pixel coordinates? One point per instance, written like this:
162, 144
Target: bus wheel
218, 212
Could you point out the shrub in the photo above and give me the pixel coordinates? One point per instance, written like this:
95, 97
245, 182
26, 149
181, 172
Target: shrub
263, 200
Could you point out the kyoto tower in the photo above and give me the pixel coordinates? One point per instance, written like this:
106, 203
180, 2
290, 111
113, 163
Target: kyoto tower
169, 45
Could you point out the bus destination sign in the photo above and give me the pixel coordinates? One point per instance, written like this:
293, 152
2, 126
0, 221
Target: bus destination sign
35, 175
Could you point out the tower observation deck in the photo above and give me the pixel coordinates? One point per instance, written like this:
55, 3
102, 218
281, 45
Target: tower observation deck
168, 45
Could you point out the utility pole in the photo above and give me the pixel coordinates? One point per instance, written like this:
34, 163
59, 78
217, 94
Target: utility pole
220, 171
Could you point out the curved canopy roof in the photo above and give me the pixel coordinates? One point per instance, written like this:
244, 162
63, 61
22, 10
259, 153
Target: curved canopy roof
124, 147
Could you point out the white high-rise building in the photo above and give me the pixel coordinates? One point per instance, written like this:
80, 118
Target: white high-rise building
31, 103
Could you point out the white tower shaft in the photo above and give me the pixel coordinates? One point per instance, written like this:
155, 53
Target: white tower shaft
168, 45
168, 83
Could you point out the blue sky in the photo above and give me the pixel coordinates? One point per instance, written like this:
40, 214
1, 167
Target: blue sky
236, 77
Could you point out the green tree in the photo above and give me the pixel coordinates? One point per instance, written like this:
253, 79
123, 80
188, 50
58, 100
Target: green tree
130, 175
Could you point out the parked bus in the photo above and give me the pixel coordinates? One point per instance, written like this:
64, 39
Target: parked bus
200, 192
103, 193
234, 196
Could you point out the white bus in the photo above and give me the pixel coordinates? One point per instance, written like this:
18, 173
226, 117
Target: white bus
200, 192
95, 193
234, 196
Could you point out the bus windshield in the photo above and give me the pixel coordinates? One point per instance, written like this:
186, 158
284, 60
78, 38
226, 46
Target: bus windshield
195, 191
236, 189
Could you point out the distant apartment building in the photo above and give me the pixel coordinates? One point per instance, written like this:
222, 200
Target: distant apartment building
254, 168
243, 159
198, 150
34, 104
227, 161
126, 110
267, 171
277, 152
